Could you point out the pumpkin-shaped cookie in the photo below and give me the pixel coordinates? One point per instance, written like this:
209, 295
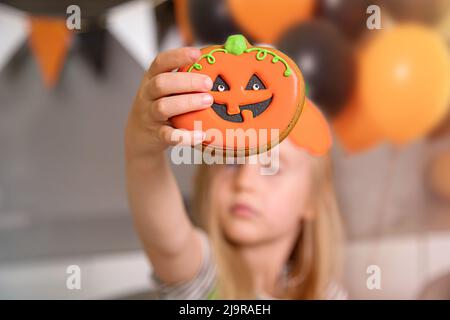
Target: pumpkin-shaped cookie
257, 90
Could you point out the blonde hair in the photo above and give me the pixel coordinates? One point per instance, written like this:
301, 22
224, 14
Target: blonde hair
315, 259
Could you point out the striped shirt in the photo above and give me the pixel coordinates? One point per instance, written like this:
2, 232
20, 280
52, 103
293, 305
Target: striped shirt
203, 285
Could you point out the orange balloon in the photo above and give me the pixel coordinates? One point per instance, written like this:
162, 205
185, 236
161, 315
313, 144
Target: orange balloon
182, 19
442, 130
355, 130
266, 20
312, 131
404, 81
444, 26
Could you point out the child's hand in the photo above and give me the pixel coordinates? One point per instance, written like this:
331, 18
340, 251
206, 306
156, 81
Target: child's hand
162, 95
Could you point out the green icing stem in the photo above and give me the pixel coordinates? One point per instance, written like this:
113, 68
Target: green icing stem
260, 55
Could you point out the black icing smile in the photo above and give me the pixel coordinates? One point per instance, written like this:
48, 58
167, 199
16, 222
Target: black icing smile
256, 109
255, 84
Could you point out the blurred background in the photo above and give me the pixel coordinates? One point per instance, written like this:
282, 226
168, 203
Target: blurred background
379, 70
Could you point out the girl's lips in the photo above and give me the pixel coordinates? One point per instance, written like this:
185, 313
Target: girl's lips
242, 210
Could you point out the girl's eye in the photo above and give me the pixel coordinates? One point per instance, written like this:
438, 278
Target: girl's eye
255, 86
221, 87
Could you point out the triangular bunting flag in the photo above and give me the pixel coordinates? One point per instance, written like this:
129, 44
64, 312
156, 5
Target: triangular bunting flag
49, 41
93, 43
14, 30
133, 25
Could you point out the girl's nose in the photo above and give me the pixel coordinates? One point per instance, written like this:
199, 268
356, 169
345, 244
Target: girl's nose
246, 176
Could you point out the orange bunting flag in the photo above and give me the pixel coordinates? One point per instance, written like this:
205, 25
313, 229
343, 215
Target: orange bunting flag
49, 41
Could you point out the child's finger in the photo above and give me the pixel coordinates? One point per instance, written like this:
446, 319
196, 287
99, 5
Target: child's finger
168, 83
167, 107
172, 136
172, 59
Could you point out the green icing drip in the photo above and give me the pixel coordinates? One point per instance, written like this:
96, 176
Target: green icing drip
209, 57
262, 54
236, 44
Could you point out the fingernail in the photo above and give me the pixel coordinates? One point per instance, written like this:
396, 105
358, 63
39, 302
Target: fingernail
207, 99
208, 83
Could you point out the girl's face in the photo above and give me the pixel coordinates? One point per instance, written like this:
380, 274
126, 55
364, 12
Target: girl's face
255, 208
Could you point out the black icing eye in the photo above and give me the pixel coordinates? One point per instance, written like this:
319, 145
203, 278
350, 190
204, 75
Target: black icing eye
255, 84
220, 85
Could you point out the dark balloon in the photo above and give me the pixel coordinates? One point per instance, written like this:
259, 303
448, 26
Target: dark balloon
326, 61
349, 16
426, 11
211, 21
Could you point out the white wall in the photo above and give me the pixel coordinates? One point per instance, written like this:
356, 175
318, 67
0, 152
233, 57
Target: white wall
407, 263
102, 277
